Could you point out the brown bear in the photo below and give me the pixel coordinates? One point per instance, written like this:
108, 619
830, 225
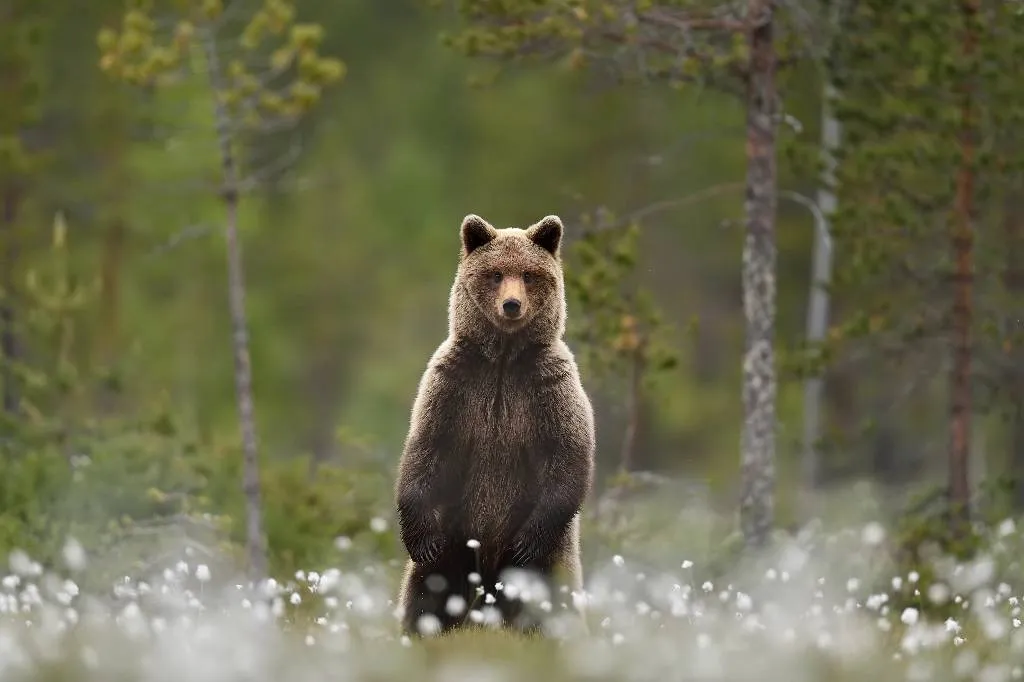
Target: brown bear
500, 451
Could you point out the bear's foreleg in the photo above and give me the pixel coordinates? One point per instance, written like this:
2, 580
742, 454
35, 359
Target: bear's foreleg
544, 529
566, 443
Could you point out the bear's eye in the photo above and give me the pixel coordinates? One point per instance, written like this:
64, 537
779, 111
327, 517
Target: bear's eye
527, 278
495, 276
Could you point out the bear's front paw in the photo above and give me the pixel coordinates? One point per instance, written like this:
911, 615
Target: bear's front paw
428, 549
524, 551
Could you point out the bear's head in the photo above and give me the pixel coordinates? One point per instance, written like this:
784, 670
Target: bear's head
509, 281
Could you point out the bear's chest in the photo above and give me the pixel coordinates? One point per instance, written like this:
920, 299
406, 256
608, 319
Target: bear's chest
502, 444
502, 408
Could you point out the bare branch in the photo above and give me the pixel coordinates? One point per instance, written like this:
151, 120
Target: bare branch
667, 205
179, 522
686, 24
820, 223
688, 138
282, 163
709, 192
183, 235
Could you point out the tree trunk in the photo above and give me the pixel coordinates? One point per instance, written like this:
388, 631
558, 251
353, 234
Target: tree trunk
255, 540
759, 389
962, 243
8, 331
1013, 282
818, 303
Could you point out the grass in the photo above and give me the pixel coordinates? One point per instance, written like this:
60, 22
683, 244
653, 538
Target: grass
825, 605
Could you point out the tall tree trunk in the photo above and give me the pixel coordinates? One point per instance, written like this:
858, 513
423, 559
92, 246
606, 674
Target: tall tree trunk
8, 333
255, 539
962, 243
759, 389
821, 275
1013, 282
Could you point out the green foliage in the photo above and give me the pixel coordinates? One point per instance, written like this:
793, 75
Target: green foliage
921, 106
641, 41
111, 487
643, 519
804, 359
136, 54
134, 490
246, 100
616, 322
313, 511
135, 497
901, 152
22, 41
51, 299
926, 542
133, 494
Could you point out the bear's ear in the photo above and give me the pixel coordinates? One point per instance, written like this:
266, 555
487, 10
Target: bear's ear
476, 232
547, 234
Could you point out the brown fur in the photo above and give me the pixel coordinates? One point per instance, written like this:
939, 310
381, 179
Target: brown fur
501, 439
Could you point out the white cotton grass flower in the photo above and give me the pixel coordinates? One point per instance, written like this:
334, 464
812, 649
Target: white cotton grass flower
873, 534
74, 555
652, 613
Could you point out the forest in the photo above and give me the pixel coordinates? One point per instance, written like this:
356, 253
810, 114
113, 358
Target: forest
794, 272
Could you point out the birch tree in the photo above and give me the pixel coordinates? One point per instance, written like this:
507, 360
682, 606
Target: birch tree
822, 258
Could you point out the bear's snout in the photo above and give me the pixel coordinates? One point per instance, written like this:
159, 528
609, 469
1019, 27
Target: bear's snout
511, 300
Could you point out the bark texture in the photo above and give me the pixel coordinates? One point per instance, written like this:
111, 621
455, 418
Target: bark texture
759, 264
255, 540
818, 301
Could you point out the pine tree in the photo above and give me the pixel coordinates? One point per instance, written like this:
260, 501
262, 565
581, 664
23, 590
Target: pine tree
263, 71
927, 102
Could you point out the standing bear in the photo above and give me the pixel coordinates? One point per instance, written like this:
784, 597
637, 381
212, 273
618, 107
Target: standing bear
500, 451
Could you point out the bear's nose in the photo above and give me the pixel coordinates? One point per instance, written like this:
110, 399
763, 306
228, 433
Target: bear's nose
511, 306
